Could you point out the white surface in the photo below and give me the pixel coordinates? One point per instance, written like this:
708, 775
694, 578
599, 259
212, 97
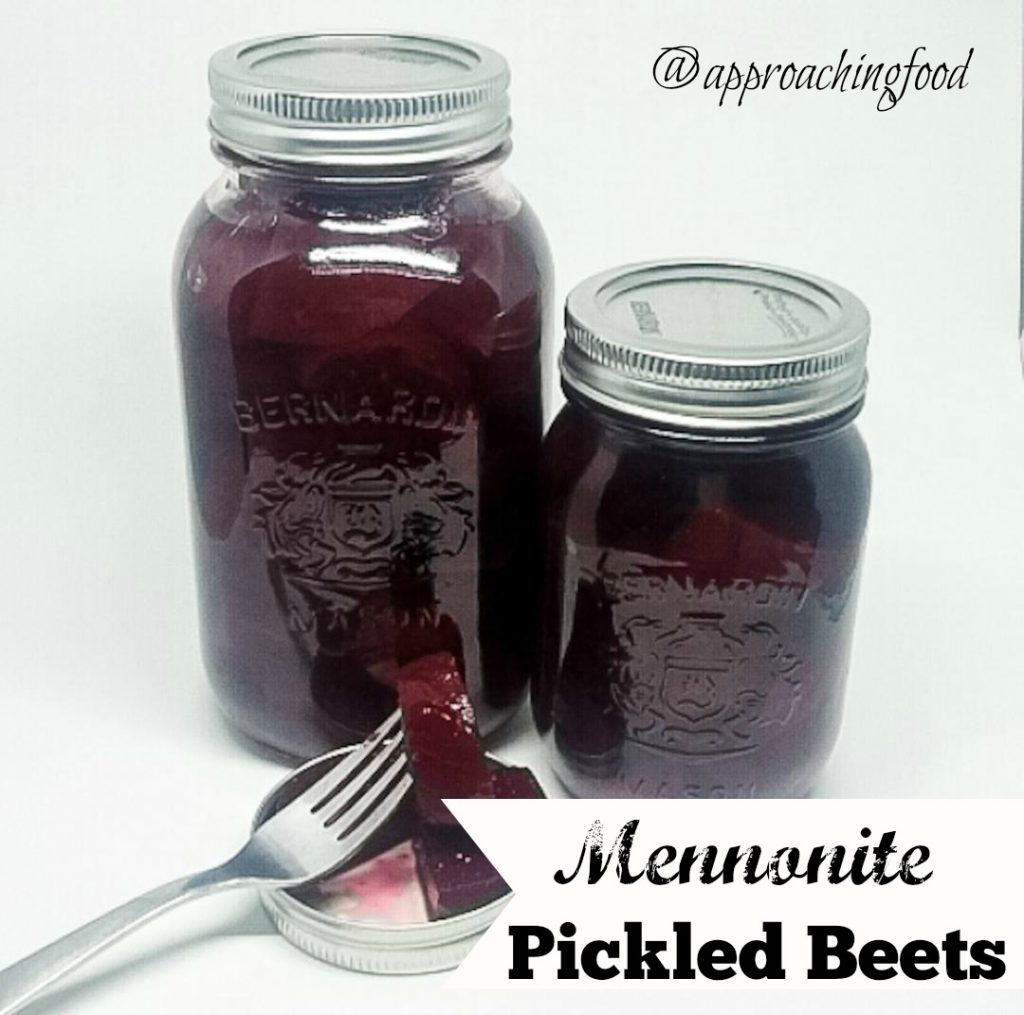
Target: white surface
118, 771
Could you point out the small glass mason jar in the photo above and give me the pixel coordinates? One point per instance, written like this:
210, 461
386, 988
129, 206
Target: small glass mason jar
360, 301
706, 500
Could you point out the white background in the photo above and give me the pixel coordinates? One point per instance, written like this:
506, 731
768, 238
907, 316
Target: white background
118, 772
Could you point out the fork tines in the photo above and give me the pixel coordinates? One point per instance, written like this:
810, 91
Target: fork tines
342, 783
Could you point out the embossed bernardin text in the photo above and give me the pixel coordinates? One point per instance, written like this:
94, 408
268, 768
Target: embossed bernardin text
402, 408
640, 584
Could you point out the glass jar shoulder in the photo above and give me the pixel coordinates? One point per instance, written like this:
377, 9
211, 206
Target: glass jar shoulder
475, 237
623, 488
496, 225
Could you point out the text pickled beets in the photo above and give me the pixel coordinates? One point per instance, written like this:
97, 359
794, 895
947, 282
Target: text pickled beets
835, 953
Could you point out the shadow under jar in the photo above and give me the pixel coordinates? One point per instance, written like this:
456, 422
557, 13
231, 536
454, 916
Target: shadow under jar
360, 302
706, 500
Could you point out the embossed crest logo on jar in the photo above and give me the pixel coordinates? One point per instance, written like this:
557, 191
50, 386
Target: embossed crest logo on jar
340, 523
698, 688
696, 681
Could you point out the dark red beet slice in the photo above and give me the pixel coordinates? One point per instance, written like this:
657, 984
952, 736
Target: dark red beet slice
440, 735
515, 784
719, 542
455, 875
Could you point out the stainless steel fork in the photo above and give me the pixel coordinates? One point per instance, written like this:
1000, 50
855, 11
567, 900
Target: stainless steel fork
317, 831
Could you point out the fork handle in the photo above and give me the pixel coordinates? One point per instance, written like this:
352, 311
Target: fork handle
21, 982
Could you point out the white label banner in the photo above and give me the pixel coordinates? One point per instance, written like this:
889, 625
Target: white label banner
746, 893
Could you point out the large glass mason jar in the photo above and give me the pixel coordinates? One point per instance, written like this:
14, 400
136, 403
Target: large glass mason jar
706, 501
360, 301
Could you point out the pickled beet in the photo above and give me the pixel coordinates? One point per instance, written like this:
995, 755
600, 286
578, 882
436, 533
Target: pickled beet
511, 783
440, 735
454, 873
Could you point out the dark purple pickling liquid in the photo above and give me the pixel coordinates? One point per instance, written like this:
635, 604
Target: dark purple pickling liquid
362, 374
699, 608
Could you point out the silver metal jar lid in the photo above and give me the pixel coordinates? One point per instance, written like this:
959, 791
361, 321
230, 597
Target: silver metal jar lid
425, 946
405, 949
359, 100
723, 346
